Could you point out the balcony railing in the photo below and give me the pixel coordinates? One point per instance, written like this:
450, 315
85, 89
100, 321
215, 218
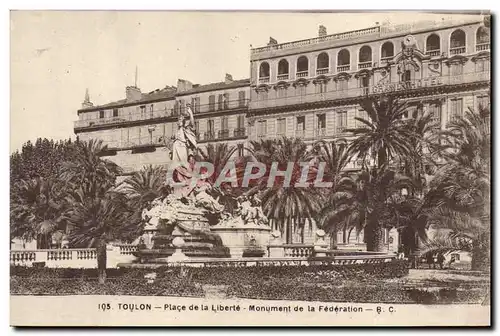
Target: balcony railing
209, 136
482, 46
375, 31
224, 134
239, 132
283, 77
301, 74
322, 71
386, 59
433, 53
264, 80
342, 68
340, 129
163, 113
320, 132
364, 65
457, 50
376, 89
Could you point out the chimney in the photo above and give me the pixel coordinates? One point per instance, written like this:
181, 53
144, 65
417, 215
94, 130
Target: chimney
272, 41
86, 102
228, 79
183, 85
322, 31
133, 93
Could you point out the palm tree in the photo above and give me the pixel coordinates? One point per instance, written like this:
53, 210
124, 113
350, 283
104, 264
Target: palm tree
96, 210
289, 207
336, 157
37, 207
384, 134
385, 137
141, 189
464, 183
371, 200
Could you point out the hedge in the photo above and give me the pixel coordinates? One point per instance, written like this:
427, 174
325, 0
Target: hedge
335, 283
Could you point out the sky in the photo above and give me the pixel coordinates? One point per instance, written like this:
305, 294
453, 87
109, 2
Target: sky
57, 55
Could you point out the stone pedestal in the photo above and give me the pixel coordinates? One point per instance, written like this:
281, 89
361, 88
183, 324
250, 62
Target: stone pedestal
320, 245
243, 238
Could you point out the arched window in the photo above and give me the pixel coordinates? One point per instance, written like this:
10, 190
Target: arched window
322, 63
387, 50
302, 66
433, 45
283, 68
457, 42
482, 39
365, 54
264, 71
343, 60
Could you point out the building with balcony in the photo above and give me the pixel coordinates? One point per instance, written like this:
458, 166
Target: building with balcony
312, 88
137, 128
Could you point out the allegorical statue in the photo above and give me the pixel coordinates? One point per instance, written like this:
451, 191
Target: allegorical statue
184, 143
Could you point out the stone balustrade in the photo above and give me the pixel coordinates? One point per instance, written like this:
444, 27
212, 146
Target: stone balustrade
72, 258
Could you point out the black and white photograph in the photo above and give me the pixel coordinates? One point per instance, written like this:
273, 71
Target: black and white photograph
250, 168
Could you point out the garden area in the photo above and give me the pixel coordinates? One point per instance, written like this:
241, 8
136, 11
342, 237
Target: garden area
369, 283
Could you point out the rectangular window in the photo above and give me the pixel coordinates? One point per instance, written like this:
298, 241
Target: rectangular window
482, 65
456, 108
301, 90
176, 108
321, 121
151, 111
224, 123
435, 111
457, 69
211, 103
115, 112
301, 123
281, 92
342, 84
320, 87
262, 128
101, 114
182, 105
363, 115
341, 121
210, 134
281, 126
197, 104
241, 121
226, 101
241, 99
143, 111
262, 95
220, 104
483, 101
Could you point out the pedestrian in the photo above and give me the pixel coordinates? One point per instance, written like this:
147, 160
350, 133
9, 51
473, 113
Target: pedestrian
430, 260
440, 260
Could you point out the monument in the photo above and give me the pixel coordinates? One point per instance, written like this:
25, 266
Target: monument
190, 222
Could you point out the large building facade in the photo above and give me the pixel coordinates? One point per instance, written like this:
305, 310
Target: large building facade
310, 89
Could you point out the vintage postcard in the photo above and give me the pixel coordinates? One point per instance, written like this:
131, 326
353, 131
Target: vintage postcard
173, 168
